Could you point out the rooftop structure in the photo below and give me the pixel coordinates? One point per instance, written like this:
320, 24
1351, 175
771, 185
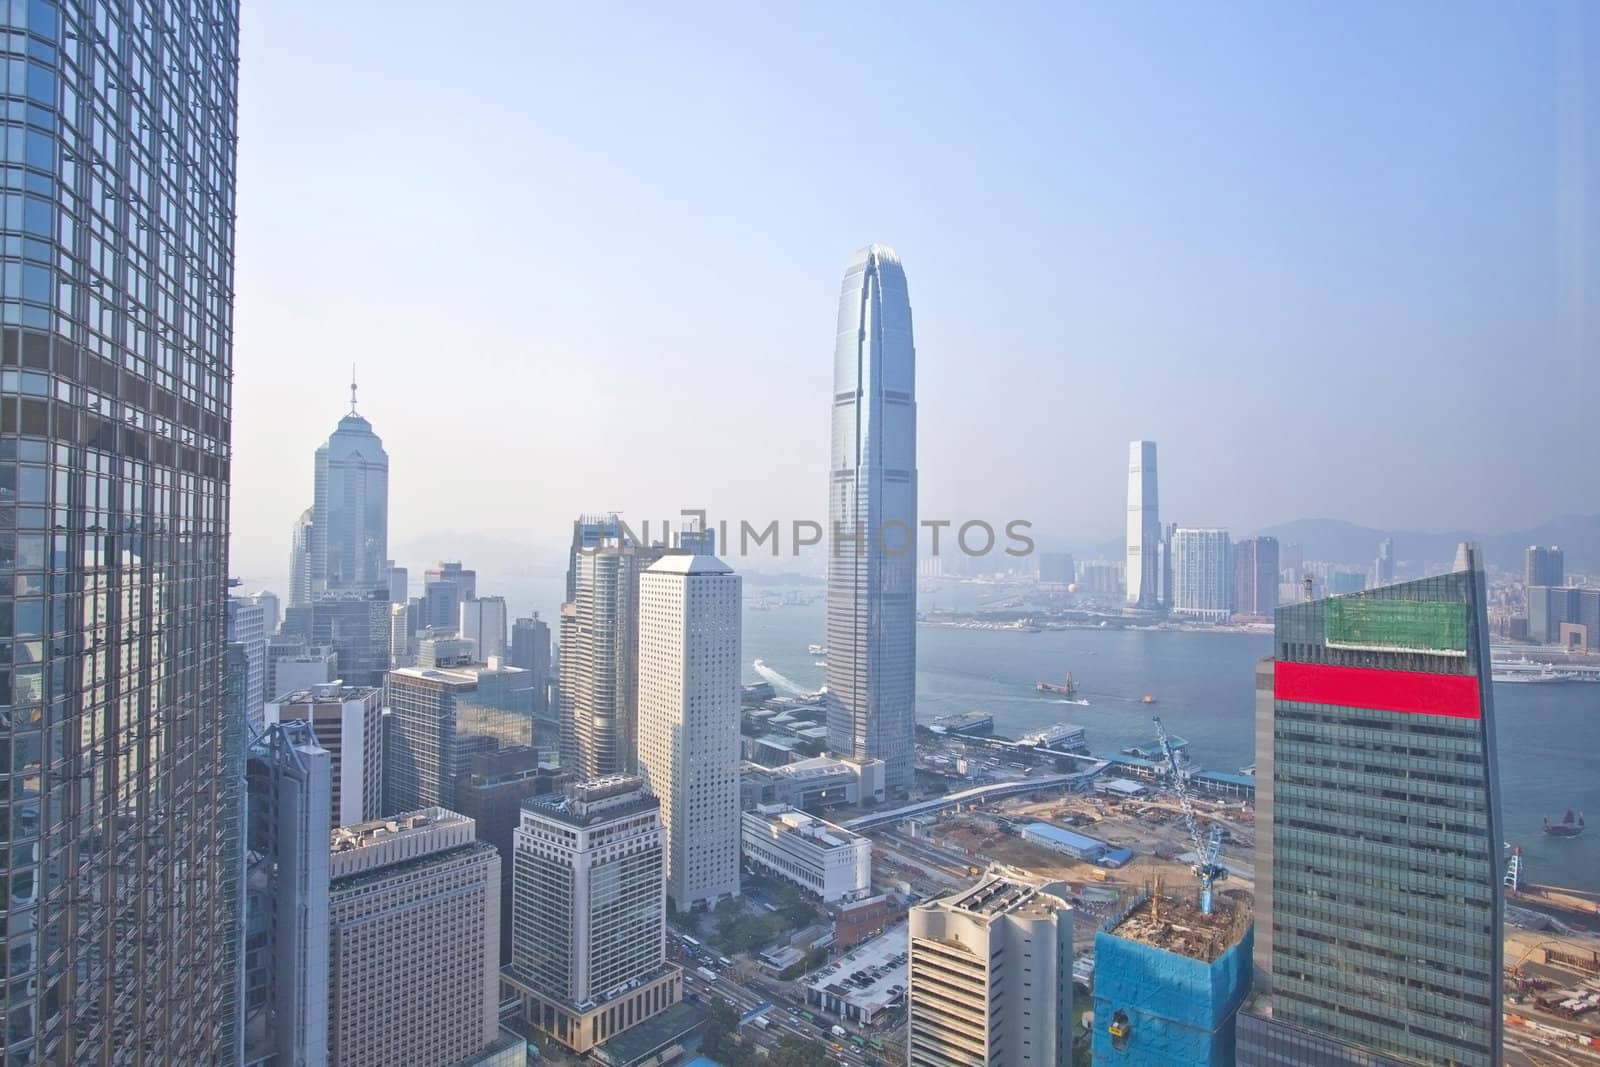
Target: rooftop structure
1078, 846
822, 781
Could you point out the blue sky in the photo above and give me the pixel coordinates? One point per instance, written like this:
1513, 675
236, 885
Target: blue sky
1338, 260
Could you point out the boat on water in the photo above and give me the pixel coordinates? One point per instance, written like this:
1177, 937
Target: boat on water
1067, 687
1571, 825
820, 663
817, 650
1148, 699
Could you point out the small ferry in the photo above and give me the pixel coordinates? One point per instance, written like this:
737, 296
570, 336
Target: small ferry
817, 650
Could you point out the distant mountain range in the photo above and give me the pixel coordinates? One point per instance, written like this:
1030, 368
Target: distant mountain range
1345, 542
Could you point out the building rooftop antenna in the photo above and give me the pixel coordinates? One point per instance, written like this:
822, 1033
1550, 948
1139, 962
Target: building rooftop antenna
352, 388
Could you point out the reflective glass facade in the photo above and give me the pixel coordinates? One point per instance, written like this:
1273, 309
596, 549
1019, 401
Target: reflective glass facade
1143, 572
121, 793
872, 510
349, 535
1385, 847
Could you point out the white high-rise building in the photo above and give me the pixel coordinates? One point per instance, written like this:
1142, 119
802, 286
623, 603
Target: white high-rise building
991, 976
300, 558
689, 687
1143, 573
588, 943
483, 622
872, 512
348, 721
1202, 574
247, 627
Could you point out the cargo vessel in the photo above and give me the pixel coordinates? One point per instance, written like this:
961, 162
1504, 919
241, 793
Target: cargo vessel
1571, 825
1066, 687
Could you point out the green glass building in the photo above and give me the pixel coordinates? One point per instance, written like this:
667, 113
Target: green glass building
1378, 905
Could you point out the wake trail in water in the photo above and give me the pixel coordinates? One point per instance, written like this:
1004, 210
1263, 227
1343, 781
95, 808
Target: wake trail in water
779, 680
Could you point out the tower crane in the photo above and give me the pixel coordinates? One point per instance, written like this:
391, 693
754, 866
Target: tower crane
1207, 849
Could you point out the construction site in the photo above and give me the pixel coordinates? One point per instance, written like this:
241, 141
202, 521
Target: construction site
1168, 981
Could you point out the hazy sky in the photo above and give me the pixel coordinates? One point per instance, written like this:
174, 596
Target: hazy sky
1338, 260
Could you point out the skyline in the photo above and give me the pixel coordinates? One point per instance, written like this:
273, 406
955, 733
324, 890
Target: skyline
1437, 241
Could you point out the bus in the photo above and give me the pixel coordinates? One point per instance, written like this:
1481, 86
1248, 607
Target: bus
691, 942
707, 974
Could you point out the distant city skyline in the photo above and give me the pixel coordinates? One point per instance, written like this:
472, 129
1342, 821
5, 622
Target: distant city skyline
1435, 241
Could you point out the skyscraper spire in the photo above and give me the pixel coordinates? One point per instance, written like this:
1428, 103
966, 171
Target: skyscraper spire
352, 388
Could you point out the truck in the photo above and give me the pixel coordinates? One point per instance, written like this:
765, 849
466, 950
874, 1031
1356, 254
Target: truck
760, 1021
706, 973
838, 1031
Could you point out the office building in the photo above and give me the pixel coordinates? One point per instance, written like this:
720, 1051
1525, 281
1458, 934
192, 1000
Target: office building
991, 976
1383, 566
400, 654
483, 622
414, 930
1056, 568
271, 609
354, 624
399, 584
442, 648
300, 558
1255, 576
1169, 980
1545, 566
872, 512
444, 589
588, 532
1202, 574
348, 721
689, 681
827, 861
600, 660
117, 306
350, 510
439, 717
530, 650
465, 580
247, 627
286, 899
588, 956
293, 665
490, 793
1378, 883
1564, 615
812, 784
1142, 574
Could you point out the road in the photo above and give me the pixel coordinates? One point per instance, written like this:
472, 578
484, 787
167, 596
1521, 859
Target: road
780, 1018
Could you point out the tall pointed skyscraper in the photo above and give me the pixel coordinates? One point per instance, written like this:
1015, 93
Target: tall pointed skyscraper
1143, 574
350, 513
872, 508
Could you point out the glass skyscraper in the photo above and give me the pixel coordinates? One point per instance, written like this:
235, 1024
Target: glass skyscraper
349, 536
123, 783
1378, 882
1143, 573
872, 511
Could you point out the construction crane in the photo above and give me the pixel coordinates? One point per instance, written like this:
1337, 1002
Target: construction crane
1207, 849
